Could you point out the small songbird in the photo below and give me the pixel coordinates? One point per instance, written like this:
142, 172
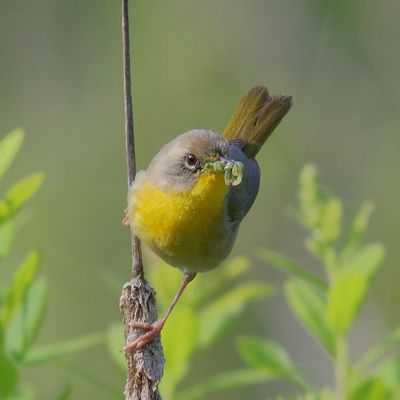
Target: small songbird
188, 204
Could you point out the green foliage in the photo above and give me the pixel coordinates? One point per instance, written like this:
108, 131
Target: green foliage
371, 388
65, 392
225, 381
347, 292
22, 303
325, 303
307, 304
18, 195
290, 266
217, 318
46, 353
9, 147
265, 355
327, 308
6, 236
206, 315
18, 290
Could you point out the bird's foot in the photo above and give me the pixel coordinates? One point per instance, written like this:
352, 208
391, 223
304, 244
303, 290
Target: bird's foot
152, 330
125, 221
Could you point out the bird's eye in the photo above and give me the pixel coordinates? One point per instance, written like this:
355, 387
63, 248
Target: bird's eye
191, 160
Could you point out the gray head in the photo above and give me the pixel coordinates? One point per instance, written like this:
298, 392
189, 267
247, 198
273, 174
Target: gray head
179, 163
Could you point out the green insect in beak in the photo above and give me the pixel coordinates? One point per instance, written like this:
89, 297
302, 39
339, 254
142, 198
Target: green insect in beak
233, 170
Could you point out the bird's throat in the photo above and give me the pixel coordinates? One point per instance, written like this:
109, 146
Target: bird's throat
179, 223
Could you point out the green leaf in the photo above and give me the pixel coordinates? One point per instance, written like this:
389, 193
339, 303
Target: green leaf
217, 318
234, 267
345, 298
18, 195
65, 392
321, 214
264, 354
331, 220
204, 288
14, 336
367, 260
9, 147
389, 373
46, 353
372, 388
308, 305
115, 342
311, 198
357, 229
8, 370
8, 374
6, 238
225, 381
24, 325
2, 292
290, 266
379, 350
33, 313
180, 338
2, 339
348, 291
24, 392
22, 281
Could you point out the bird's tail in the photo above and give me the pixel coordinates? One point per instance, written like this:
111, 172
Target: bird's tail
254, 119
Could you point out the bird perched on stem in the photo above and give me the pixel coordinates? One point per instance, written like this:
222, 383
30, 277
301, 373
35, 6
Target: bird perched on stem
188, 204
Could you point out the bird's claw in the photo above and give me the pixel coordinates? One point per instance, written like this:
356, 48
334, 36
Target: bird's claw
125, 221
152, 330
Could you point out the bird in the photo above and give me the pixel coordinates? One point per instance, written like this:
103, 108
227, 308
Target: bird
188, 204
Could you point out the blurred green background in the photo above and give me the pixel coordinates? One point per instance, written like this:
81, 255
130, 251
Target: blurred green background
61, 80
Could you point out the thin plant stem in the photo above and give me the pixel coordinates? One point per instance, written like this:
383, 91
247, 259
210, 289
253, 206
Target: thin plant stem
137, 301
137, 263
341, 369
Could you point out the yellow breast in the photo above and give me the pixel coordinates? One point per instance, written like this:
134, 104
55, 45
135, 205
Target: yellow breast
185, 228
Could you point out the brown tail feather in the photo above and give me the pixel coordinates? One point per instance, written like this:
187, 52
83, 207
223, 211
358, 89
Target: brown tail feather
255, 118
